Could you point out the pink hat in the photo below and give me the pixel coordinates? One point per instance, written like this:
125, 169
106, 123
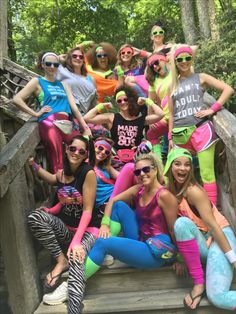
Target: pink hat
183, 49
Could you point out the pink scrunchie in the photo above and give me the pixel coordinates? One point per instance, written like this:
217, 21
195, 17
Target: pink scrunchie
154, 58
183, 49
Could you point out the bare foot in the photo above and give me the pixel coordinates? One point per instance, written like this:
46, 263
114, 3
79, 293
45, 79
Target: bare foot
193, 299
55, 274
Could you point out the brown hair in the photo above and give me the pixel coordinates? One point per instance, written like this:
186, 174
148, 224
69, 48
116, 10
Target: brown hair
134, 108
68, 61
109, 50
104, 163
150, 74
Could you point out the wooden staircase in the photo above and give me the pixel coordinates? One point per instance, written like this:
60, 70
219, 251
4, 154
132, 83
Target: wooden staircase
120, 289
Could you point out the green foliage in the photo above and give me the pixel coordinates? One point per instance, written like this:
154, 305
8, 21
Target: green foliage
217, 58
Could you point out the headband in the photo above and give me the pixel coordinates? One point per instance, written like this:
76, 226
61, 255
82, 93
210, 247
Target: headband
104, 143
154, 58
183, 49
176, 153
99, 48
49, 54
121, 93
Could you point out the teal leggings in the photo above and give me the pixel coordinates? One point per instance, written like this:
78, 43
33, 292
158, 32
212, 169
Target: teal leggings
219, 272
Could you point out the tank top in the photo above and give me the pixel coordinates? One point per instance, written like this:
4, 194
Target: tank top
151, 219
70, 195
127, 133
188, 100
54, 95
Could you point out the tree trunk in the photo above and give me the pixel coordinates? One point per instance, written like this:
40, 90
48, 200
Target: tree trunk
213, 23
188, 21
204, 20
3, 31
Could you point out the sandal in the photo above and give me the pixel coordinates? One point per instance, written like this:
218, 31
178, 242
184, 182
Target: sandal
47, 285
200, 295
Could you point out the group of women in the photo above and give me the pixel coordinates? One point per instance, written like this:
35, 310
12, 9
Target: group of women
163, 220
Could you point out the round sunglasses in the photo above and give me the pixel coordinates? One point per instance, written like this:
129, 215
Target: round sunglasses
102, 148
183, 59
121, 100
51, 64
128, 52
145, 169
74, 149
156, 33
75, 56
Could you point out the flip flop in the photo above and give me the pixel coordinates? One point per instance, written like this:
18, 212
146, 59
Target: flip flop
200, 295
49, 288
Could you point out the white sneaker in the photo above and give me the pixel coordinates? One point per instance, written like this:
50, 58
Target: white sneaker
58, 296
108, 260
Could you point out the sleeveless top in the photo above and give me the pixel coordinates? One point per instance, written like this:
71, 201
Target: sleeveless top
82, 87
188, 100
53, 94
151, 219
104, 189
127, 133
70, 195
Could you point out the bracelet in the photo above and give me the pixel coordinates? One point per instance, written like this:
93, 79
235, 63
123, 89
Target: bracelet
106, 220
169, 136
231, 256
149, 102
216, 107
36, 167
100, 107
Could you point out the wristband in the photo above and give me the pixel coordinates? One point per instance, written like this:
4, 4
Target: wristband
216, 107
169, 136
120, 72
231, 256
86, 43
36, 167
106, 221
100, 107
143, 54
149, 102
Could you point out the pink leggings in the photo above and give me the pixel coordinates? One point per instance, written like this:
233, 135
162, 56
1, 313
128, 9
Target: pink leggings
53, 139
157, 130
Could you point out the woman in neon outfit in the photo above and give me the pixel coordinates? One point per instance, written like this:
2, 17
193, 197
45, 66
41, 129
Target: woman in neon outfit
201, 232
56, 102
189, 124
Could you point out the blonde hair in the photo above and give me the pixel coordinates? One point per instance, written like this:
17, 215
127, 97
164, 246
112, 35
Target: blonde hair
155, 161
135, 61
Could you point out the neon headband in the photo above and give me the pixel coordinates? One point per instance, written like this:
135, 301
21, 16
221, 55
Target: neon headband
176, 153
49, 54
103, 143
99, 48
154, 58
121, 93
183, 49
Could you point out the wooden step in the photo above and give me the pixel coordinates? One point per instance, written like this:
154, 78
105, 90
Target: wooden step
145, 302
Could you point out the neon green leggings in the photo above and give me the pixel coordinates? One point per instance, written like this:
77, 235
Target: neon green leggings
206, 164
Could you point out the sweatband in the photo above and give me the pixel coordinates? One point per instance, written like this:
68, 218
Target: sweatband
216, 107
121, 93
36, 167
183, 49
143, 54
99, 48
106, 221
100, 107
49, 54
169, 136
86, 43
149, 102
103, 143
53, 210
154, 58
120, 72
83, 224
231, 256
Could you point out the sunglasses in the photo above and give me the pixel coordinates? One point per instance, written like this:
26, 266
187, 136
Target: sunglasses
183, 59
156, 33
101, 55
145, 169
74, 149
75, 56
101, 148
51, 64
121, 100
128, 52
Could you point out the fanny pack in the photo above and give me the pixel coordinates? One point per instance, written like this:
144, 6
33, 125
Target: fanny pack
161, 247
126, 155
182, 135
66, 126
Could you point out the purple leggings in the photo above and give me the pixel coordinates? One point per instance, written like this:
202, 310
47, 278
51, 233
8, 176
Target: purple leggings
53, 139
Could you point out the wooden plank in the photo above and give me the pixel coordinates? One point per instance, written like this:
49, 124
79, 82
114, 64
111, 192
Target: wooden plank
3, 32
18, 70
17, 248
9, 109
13, 156
231, 162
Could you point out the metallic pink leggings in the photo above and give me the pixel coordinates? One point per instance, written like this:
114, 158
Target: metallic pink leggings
53, 139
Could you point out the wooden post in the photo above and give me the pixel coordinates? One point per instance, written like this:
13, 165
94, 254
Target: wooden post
3, 31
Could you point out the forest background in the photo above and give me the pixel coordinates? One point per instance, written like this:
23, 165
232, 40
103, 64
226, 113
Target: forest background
57, 25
